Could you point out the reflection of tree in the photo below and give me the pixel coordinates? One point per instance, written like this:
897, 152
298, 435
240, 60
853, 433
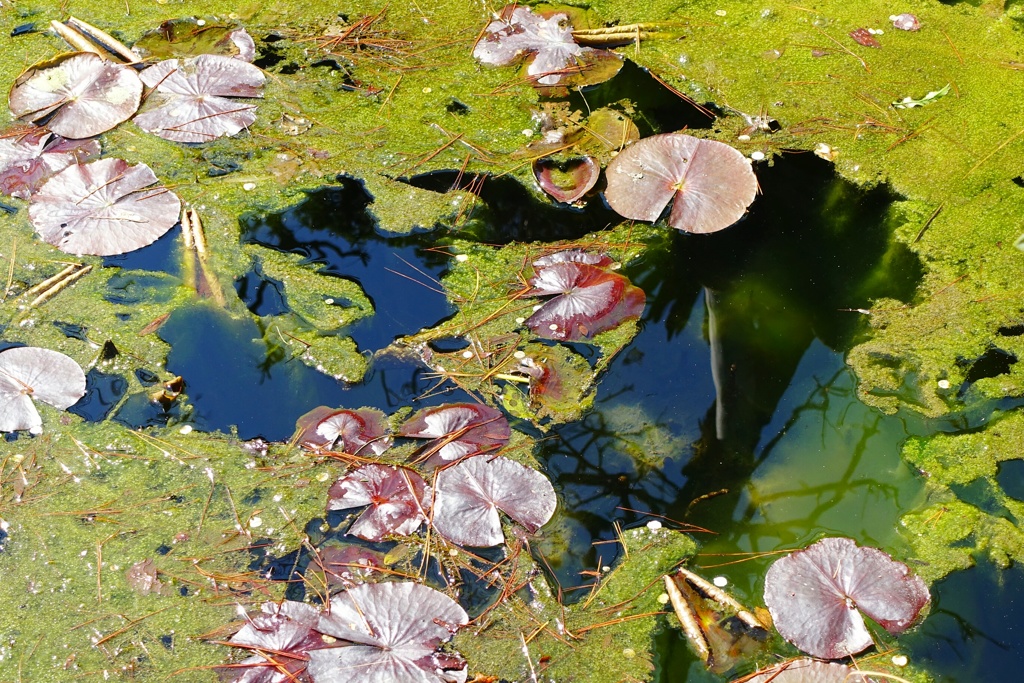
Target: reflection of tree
812, 246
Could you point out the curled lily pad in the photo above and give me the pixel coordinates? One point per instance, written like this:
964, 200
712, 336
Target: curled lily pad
470, 494
458, 429
392, 632
77, 95
566, 181
357, 432
193, 98
556, 59
587, 300
808, 671
709, 183
282, 633
397, 498
816, 596
187, 38
29, 156
28, 373
103, 208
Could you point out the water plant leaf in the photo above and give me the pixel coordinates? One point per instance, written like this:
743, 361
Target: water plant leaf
587, 300
808, 671
864, 37
392, 632
77, 94
909, 102
353, 431
573, 256
816, 596
29, 156
187, 38
103, 208
279, 628
28, 373
566, 181
458, 429
397, 498
555, 58
470, 494
709, 183
192, 101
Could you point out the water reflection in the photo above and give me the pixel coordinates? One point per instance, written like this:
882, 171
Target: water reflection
739, 367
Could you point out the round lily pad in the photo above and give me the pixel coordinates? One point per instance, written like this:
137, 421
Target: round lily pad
103, 208
709, 183
77, 94
28, 373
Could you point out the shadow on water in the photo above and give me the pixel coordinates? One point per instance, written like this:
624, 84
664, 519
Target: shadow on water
733, 409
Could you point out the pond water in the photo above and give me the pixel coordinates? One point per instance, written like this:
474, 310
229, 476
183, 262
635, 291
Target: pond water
732, 410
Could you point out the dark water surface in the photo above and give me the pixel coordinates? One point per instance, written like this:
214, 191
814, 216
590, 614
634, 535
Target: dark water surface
732, 410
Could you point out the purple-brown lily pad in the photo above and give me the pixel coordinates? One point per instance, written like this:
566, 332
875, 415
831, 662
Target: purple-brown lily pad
397, 498
357, 432
554, 56
816, 596
458, 429
28, 373
808, 671
470, 494
103, 208
587, 300
709, 183
194, 99
76, 95
566, 181
391, 632
282, 634
29, 156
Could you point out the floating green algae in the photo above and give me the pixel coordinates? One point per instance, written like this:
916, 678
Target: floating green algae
386, 113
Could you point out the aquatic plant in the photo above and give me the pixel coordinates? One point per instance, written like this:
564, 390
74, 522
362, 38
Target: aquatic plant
553, 56
30, 155
77, 94
281, 635
709, 183
567, 181
103, 208
809, 671
28, 373
586, 299
457, 430
390, 632
470, 493
397, 498
816, 596
355, 432
188, 37
193, 99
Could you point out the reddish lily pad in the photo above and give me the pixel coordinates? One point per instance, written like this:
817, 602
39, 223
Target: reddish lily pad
556, 59
816, 596
28, 373
282, 633
29, 156
587, 300
458, 429
103, 208
193, 98
809, 671
353, 431
709, 183
78, 94
397, 498
566, 181
865, 38
392, 632
470, 494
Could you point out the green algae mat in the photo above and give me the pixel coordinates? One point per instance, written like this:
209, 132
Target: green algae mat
137, 534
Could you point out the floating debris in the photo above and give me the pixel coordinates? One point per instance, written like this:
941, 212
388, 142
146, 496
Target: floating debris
905, 22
